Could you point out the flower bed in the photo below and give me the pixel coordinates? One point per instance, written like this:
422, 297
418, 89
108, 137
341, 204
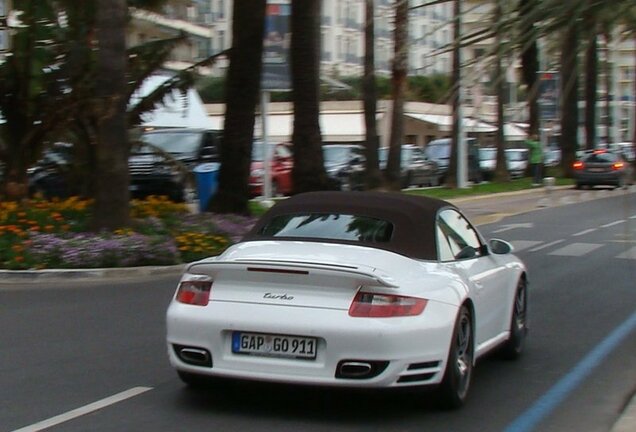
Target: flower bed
42, 234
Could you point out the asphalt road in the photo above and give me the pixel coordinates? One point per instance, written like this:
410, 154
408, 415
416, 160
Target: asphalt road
91, 356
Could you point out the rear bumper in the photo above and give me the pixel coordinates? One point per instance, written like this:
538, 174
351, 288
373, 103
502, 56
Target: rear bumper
415, 348
606, 178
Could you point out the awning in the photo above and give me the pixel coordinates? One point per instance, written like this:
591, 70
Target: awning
343, 127
512, 132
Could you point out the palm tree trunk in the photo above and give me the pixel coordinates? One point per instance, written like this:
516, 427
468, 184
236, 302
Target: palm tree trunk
451, 173
243, 84
373, 175
400, 64
530, 62
569, 92
308, 173
112, 207
501, 171
608, 86
591, 83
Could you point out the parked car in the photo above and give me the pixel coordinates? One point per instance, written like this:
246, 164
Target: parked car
602, 167
487, 162
345, 165
517, 162
162, 164
416, 168
54, 174
351, 289
281, 166
439, 150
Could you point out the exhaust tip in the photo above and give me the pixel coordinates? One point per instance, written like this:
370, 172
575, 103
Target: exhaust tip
360, 369
193, 355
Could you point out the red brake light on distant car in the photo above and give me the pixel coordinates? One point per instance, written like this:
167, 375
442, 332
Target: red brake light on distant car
372, 305
617, 165
599, 151
577, 165
194, 292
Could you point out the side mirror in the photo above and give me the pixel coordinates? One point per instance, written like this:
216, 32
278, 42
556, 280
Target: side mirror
500, 247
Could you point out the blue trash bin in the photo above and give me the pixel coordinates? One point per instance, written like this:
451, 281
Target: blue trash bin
207, 179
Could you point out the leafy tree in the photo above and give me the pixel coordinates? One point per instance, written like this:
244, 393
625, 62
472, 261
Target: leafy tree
243, 84
34, 88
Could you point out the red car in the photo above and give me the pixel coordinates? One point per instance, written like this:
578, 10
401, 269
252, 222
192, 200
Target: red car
280, 169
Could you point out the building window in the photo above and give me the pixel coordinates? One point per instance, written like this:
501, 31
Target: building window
221, 9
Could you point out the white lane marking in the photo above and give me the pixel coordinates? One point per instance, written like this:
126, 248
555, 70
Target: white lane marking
613, 223
508, 227
576, 249
520, 245
628, 254
86, 409
587, 231
633, 217
547, 245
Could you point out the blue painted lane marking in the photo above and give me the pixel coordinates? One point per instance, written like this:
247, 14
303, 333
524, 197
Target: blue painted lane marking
527, 421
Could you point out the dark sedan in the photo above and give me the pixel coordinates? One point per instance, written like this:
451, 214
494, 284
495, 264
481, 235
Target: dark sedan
602, 167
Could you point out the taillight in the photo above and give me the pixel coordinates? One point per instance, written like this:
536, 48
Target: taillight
195, 291
617, 166
577, 165
372, 305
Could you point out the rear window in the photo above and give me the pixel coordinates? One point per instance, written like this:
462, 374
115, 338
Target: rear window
601, 158
329, 226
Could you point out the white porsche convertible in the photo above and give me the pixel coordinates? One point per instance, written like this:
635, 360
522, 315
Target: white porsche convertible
359, 289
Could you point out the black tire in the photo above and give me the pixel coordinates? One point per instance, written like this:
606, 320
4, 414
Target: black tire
622, 183
579, 186
513, 347
454, 388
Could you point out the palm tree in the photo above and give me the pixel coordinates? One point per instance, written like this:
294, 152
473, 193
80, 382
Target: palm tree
112, 208
501, 171
373, 174
569, 92
308, 173
243, 84
451, 173
399, 73
530, 59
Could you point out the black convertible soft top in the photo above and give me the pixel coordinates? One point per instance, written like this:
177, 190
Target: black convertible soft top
413, 217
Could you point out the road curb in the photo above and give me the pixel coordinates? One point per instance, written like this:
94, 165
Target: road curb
28, 276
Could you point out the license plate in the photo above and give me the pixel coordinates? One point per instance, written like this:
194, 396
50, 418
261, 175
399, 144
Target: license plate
274, 345
596, 169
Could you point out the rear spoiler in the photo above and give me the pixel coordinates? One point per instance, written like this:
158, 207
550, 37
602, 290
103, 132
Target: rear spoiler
364, 276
